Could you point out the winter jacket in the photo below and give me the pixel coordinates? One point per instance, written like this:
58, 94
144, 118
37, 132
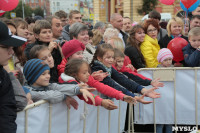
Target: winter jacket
135, 57
191, 56
68, 79
53, 93
162, 33
150, 49
124, 37
7, 104
119, 78
88, 53
65, 33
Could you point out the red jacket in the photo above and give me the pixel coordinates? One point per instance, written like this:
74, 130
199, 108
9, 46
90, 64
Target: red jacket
61, 67
65, 78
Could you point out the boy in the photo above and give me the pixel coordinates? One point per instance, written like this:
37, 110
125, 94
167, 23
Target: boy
37, 75
191, 52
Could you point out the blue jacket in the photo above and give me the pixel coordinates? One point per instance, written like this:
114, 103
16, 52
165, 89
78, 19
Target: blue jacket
191, 56
119, 78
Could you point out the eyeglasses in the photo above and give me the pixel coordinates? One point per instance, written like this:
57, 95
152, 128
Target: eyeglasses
152, 30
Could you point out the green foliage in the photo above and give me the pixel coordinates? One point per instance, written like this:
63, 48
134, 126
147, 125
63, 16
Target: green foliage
148, 5
39, 11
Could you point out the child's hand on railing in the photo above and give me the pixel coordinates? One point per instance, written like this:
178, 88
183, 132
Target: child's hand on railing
141, 99
129, 99
71, 101
157, 83
108, 104
29, 98
150, 92
86, 94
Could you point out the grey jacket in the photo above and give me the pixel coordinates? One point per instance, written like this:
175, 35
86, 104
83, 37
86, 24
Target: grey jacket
53, 93
65, 33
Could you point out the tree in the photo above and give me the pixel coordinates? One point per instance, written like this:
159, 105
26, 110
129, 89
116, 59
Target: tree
147, 6
39, 11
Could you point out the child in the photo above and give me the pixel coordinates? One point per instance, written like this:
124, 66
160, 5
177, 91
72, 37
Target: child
192, 50
138, 78
37, 75
165, 58
103, 60
77, 71
73, 49
30, 35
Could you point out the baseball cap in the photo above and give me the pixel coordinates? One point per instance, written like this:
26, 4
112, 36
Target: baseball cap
7, 39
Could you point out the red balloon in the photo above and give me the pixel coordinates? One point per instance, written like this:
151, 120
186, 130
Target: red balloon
8, 5
176, 45
167, 2
188, 3
1, 13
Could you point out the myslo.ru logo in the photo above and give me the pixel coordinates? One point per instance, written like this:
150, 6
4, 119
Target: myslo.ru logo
184, 128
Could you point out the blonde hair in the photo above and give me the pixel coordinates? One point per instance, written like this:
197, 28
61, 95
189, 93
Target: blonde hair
30, 27
118, 43
177, 20
97, 37
110, 33
194, 32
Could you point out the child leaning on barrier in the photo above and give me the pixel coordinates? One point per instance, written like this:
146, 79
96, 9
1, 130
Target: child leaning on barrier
37, 75
165, 58
192, 50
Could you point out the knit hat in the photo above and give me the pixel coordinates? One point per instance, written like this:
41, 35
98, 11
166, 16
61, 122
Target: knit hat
33, 69
163, 54
71, 47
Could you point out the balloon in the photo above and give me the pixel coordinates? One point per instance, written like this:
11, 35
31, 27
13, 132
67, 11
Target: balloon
2, 12
189, 5
176, 45
8, 5
167, 2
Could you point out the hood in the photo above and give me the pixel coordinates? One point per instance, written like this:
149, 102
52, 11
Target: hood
66, 78
151, 40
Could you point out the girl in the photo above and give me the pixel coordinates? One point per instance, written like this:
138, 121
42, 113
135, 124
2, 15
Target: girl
103, 60
77, 71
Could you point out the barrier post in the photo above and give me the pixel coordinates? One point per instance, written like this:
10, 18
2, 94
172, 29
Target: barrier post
196, 99
84, 123
50, 112
119, 116
175, 121
109, 117
98, 119
68, 119
26, 121
129, 117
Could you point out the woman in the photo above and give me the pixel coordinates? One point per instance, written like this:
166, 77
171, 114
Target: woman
175, 28
133, 50
150, 46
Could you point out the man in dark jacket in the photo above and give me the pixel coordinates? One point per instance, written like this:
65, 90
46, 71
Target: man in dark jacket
7, 99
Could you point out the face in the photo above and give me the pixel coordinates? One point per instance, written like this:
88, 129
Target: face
30, 37
117, 22
107, 59
83, 37
5, 54
64, 21
196, 11
175, 28
152, 31
12, 29
126, 24
46, 56
139, 35
43, 80
22, 31
119, 62
83, 73
75, 18
194, 41
167, 62
77, 55
194, 23
186, 29
45, 35
56, 27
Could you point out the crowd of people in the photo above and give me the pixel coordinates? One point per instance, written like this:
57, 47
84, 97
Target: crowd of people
61, 56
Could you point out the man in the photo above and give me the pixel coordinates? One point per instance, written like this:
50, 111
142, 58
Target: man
7, 99
100, 26
63, 17
195, 21
127, 25
117, 22
74, 16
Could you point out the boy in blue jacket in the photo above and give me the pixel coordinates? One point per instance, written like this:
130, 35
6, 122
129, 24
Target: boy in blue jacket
192, 50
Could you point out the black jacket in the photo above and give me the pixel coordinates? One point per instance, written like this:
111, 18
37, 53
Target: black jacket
125, 37
7, 104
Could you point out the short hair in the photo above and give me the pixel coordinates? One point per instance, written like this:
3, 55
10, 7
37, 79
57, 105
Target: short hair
155, 15
195, 16
90, 33
41, 24
118, 53
35, 51
109, 33
175, 19
99, 25
72, 12
61, 14
29, 20
194, 32
20, 21
97, 37
118, 43
76, 28
150, 22
9, 22
114, 15
50, 18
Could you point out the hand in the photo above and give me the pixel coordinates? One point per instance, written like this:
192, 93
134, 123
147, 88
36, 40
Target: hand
99, 75
71, 101
129, 99
108, 104
52, 45
141, 99
86, 94
131, 67
29, 99
157, 83
150, 92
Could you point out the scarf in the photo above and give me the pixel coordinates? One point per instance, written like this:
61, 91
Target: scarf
176, 36
108, 69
